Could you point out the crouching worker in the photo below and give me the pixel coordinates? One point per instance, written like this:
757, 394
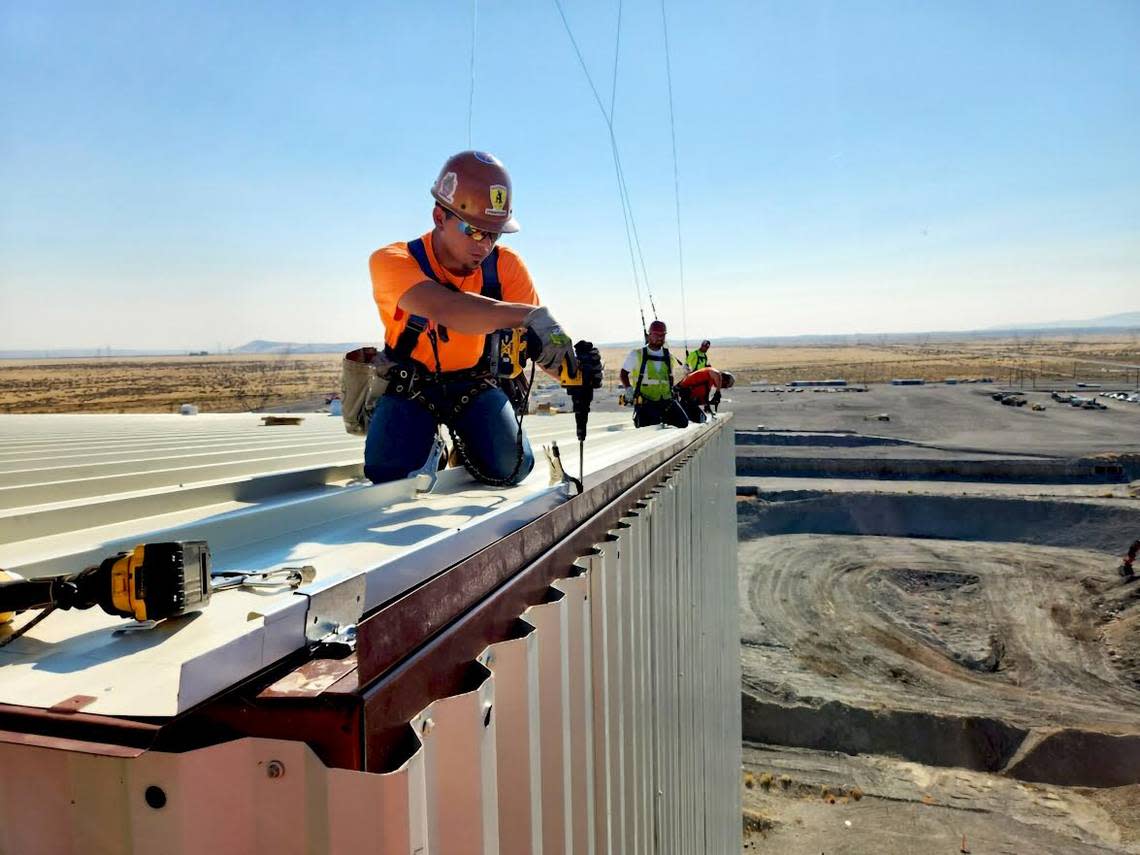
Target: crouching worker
651, 390
699, 392
439, 296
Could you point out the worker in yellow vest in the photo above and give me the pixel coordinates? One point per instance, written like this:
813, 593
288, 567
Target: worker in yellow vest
699, 358
651, 389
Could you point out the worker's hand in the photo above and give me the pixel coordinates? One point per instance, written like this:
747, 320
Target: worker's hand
624, 395
556, 345
715, 399
590, 363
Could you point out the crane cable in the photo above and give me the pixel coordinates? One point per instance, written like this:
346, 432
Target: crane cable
632, 238
676, 180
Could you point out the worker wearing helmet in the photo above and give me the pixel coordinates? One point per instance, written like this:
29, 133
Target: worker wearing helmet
698, 393
651, 388
699, 358
439, 296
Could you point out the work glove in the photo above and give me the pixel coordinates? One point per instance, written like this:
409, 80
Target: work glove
715, 399
554, 345
590, 363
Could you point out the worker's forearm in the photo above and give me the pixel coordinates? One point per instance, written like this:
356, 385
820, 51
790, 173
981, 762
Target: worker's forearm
624, 377
462, 312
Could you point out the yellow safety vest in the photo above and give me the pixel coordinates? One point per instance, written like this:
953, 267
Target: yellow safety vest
654, 376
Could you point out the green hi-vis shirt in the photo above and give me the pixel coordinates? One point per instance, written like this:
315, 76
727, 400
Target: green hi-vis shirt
655, 385
697, 360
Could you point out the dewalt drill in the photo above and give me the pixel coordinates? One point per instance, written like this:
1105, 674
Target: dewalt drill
152, 582
513, 354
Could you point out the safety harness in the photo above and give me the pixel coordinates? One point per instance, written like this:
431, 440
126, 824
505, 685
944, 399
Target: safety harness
410, 336
406, 376
646, 357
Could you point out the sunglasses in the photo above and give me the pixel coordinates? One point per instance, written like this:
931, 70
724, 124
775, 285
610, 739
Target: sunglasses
477, 235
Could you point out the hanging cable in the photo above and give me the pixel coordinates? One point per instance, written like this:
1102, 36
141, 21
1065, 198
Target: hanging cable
676, 180
632, 238
471, 93
617, 52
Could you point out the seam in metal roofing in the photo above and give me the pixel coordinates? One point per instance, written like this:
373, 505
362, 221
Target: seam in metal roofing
263, 498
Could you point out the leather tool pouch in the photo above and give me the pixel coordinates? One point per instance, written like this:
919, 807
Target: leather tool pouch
363, 380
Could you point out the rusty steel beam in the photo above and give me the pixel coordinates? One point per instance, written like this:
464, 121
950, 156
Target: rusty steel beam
62, 726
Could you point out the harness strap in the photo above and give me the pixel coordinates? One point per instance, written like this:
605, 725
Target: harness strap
416, 325
645, 358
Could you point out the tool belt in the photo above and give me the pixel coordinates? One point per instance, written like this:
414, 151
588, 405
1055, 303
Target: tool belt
414, 382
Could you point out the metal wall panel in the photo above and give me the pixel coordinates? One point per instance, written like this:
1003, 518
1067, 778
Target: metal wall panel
608, 722
637, 684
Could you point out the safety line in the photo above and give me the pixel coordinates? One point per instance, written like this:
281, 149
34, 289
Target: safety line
632, 237
676, 180
471, 94
617, 53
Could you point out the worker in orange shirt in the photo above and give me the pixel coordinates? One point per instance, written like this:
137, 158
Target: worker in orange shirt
439, 296
699, 391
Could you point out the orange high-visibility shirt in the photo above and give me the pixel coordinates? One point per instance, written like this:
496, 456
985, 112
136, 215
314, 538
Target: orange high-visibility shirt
394, 271
700, 384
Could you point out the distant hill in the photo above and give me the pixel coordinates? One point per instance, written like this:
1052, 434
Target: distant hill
1125, 320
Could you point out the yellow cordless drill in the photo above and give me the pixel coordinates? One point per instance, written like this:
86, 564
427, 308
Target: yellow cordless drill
579, 381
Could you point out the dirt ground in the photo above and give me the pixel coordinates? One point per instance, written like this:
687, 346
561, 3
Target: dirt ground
1010, 631
239, 383
800, 802
911, 693
1102, 357
223, 384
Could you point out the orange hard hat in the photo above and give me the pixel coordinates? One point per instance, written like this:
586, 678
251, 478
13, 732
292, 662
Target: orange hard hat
476, 187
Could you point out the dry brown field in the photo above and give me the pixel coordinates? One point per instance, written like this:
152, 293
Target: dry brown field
162, 384
1107, 358
241, 383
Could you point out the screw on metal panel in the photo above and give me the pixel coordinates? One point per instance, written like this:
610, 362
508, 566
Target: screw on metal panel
155, 797
427, 725
275, 769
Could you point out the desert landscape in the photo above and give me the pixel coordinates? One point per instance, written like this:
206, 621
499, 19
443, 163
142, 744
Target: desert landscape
240, 383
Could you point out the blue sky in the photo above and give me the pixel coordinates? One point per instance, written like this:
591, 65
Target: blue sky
190, 175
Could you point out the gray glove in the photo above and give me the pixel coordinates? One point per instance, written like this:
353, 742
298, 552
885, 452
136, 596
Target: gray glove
556, 345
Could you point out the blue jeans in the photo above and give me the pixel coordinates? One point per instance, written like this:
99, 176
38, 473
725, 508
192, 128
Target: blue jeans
401, 433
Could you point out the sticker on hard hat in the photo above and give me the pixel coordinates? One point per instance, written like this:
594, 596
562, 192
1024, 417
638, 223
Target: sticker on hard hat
446, 188
485, 157
498, 201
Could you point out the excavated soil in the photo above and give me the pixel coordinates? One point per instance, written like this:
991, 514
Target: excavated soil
799, 801
981, 694
989, 656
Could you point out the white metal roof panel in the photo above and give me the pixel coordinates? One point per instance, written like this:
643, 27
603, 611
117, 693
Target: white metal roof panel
258, 512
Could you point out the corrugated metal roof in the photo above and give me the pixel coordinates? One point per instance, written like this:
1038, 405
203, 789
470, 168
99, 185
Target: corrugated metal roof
589, 703
75, 489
